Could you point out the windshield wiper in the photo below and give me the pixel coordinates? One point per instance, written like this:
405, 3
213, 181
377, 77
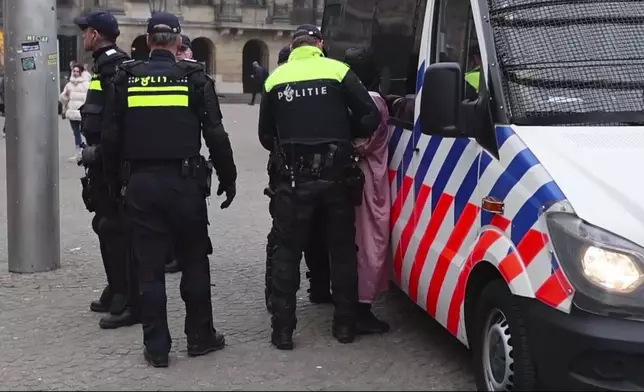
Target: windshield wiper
549, 118
545, 83
550, 3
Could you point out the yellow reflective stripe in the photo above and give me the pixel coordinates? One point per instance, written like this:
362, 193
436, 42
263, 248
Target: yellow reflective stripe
95, 85
162, 88
305, 64
141, 101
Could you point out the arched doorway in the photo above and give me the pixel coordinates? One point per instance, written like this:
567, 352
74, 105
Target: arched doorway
254, 50
203, 51
140, 50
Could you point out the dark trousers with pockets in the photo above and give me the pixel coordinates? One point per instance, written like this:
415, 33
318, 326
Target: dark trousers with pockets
316, 256
293, 210
167, 211
110, 225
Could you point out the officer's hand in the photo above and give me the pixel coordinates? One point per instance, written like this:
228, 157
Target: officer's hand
231, 191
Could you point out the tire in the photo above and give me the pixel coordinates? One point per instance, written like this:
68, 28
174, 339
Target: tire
498, 327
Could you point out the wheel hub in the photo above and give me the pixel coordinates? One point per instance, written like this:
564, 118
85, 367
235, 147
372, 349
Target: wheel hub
497, 353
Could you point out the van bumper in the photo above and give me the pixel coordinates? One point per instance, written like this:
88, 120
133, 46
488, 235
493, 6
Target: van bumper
584, 351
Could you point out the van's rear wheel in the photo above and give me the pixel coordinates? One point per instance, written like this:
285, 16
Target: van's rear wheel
502, 355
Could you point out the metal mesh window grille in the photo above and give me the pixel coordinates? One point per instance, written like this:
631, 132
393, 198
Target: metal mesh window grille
571, 61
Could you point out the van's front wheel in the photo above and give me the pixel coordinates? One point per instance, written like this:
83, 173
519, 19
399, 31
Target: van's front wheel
502, 355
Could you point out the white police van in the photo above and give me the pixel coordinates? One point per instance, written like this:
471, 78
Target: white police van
517, 213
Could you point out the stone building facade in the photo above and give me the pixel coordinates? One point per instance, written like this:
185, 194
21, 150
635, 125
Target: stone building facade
227, 35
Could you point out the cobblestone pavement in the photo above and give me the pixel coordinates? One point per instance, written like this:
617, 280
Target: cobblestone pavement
50, 340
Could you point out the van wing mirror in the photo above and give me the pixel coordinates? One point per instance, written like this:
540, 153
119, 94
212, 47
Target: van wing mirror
441, 100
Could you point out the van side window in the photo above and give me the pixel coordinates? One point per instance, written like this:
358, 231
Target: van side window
472, 66
401, 105
453, 31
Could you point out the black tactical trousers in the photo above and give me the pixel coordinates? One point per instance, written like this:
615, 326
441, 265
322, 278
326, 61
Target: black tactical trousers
166, 209
316, 257
293, 210
110, 226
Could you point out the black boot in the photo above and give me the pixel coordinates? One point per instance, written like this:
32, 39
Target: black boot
282, 337
102, 305
124, 319
344, 332
121, 314
201, 345
283, 323
172, 267
367, 322
157, 361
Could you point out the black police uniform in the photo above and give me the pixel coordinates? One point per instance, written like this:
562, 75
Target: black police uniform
108, 221
310, 118
161, 107
172, 265
316, 254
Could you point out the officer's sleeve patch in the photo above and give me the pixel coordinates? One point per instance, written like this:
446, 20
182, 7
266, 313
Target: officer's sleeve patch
110, 52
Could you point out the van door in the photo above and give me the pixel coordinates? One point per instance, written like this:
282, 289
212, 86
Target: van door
445, 179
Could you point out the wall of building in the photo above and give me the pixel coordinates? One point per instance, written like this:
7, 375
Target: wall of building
223, 27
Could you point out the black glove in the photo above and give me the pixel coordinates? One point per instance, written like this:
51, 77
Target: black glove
231, 191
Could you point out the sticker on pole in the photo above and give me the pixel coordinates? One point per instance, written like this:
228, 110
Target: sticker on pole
30, 46
28, 63
39, 38
51, 59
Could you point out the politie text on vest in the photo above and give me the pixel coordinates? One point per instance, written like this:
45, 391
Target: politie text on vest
289, 94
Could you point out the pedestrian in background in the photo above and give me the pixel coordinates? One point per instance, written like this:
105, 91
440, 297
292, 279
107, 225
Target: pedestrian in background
258, 76
72, 98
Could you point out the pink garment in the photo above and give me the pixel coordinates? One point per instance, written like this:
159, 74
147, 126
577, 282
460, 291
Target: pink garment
372, 217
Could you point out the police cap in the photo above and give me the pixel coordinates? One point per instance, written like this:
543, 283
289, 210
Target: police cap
307, 29
185, 42
282, 57
102, 21
163, 22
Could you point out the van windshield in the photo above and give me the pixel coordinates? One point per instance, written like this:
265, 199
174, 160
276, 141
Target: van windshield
571, 62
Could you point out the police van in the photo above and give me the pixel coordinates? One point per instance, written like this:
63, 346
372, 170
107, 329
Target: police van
517, 214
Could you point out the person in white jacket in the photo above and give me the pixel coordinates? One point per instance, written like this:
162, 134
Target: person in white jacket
72, 98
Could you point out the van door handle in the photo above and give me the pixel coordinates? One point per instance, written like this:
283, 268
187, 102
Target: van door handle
493, 205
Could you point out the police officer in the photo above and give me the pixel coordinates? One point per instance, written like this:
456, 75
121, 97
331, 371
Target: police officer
184, 52
473, 76
314, 107
100, 30
161, 108
315, 254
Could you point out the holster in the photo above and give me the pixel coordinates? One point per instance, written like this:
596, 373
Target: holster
355, 183
87, 193
201, 169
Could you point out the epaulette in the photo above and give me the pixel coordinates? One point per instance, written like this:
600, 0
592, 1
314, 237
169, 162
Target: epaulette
129, 65
189, 66
111, 57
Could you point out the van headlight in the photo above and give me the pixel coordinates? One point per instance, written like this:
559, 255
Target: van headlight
599, 264
611, 270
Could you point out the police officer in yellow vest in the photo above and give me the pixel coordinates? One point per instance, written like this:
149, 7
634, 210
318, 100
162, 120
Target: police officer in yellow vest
472, 78
100, 30
314, 106
161, 109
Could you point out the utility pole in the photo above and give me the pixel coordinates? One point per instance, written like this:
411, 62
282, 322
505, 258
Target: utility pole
32, 89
